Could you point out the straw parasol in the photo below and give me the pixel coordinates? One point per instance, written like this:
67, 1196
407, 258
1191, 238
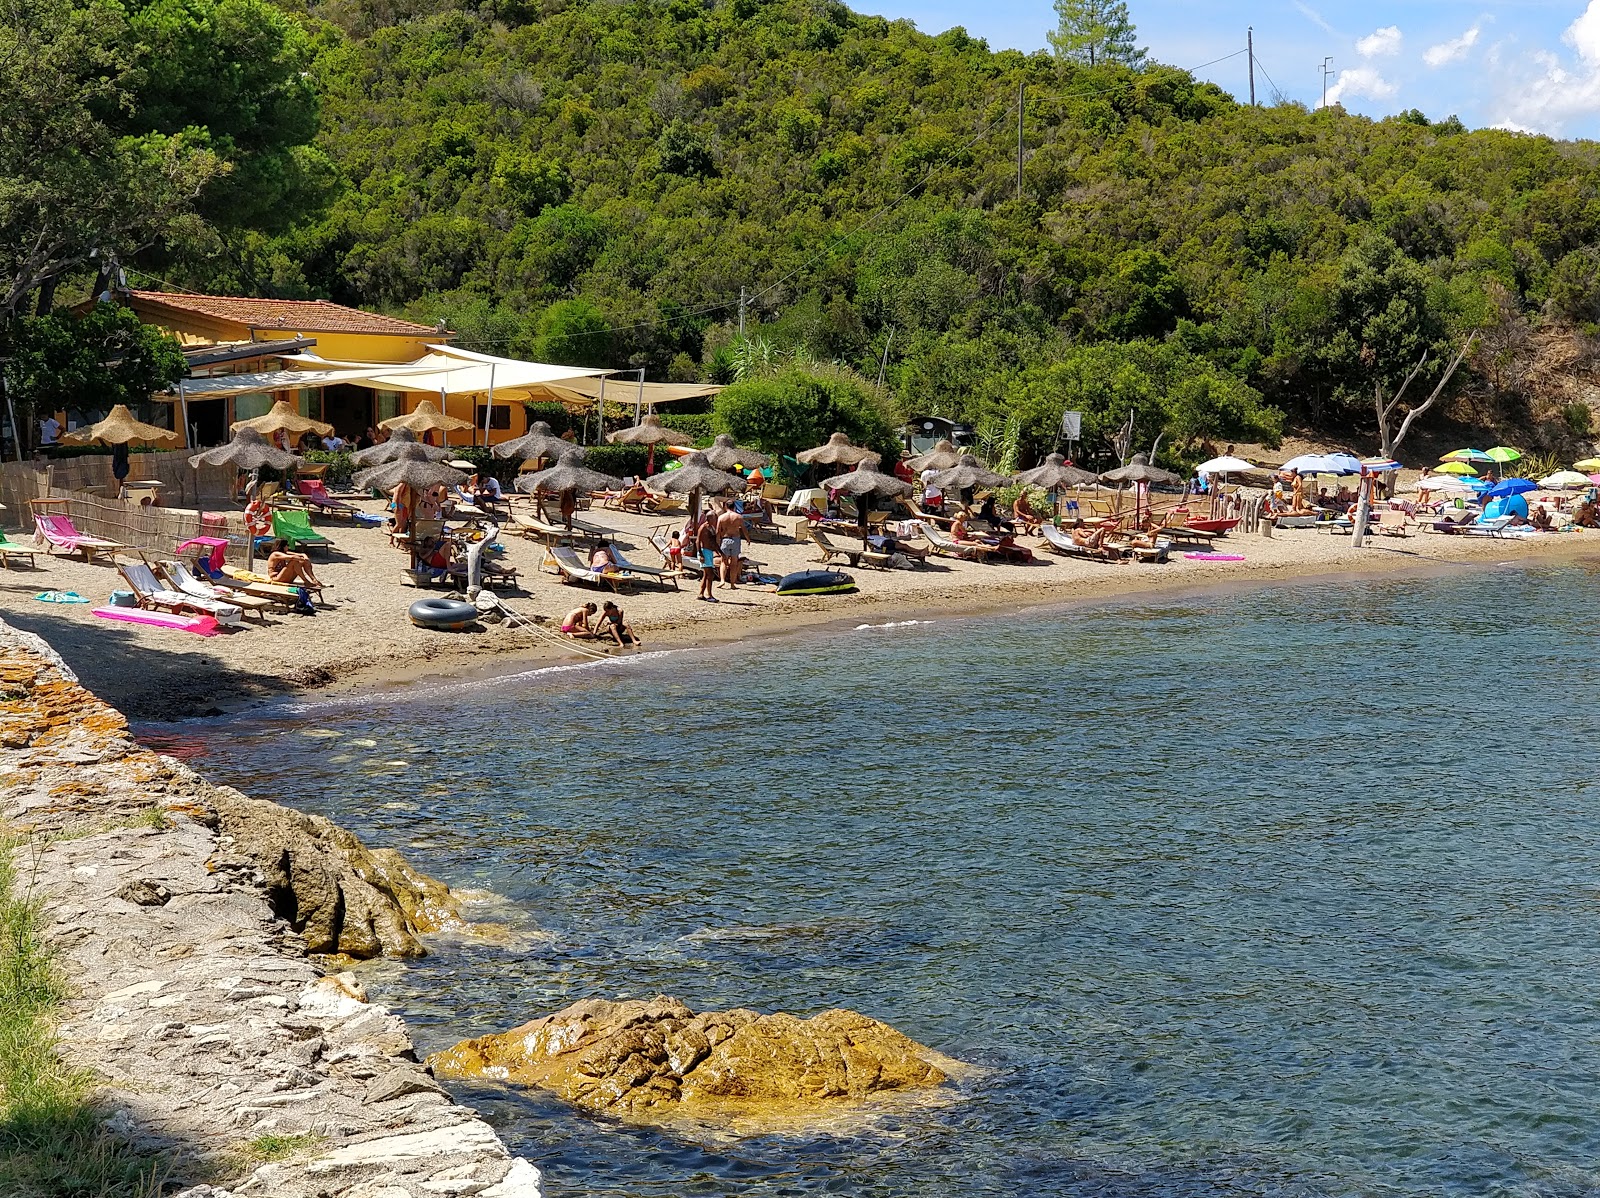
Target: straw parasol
398, 446
837, 452
284, 419
426, 418
943, 456
538, 442
866, 481
412, 466
568, 476
120, 427
1141, 473
968, 473
248, 450
649, 431
1054, 475
694, 475
725, 455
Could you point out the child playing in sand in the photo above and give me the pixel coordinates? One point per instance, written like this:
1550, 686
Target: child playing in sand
577, 622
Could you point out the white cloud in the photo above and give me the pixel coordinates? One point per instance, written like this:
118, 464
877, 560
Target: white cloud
1314, 17
1380, 42
1451, 51
1364, 83
1542, 93
1583, 35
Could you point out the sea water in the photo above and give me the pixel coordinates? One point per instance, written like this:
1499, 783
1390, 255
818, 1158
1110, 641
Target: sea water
1290, 891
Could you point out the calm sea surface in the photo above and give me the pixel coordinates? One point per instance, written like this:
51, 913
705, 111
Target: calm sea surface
1287, 892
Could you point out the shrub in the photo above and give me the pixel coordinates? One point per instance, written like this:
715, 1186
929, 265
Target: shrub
796, 409
1579, 417
701, 426
620, 460
340, 465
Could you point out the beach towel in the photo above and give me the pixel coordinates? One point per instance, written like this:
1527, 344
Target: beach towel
60, 597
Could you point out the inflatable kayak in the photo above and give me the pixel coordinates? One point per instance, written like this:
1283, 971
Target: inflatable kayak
451, 615
816, 582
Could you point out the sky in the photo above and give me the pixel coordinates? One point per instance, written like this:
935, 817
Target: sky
1528, 65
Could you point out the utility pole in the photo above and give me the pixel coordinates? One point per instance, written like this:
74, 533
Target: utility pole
1327, 70
1250, 48
741, 313
1022, 100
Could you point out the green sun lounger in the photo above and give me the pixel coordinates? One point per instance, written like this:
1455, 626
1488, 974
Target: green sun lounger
294, 526
10, 549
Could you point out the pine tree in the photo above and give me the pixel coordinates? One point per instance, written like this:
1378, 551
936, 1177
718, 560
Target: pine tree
1096, 31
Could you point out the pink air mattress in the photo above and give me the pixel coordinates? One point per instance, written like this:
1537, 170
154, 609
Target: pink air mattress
199, 625
1215, 557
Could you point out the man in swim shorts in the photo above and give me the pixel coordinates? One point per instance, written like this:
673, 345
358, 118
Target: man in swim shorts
730, 543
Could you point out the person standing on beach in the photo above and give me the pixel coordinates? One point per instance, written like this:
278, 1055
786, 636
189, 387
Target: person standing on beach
705, 544
730, 543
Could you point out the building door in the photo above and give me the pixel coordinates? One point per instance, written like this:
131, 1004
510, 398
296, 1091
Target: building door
208, 421
348, 408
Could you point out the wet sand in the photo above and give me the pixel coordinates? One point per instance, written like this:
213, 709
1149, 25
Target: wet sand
362, 638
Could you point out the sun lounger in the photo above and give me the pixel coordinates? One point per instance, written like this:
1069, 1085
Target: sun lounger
282, 594
151, 594
573, 568
59, 533
830, 550
946, 547
655, 573
1392, 523
1499, 526
1182, 534
635, 499
529, 523
178, 577
294, 526
315, 492
10, 549
1059, 542
1156, 555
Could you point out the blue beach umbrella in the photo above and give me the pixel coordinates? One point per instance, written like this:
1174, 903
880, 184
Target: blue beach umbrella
1511, 486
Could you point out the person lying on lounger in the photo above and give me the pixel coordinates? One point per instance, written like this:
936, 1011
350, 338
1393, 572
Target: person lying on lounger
291, 569
601, 561
1095, 541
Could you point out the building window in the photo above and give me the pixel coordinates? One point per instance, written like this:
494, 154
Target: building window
388, 405
248, 407
500, 417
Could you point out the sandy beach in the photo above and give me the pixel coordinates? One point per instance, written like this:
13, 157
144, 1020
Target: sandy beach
362, 636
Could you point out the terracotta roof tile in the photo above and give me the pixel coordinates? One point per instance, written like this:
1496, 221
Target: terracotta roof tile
310, 316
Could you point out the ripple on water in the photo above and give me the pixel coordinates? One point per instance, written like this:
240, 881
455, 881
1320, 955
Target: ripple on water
1229, 896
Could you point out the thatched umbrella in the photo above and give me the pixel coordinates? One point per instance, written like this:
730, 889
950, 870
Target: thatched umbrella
968, 473
248, 450
943, 456
284, 419
538, 442
1141, 473
694, 475
649, 431
119, 429
414, 467
725, 455
568, 476
837, 452
426, 418
865, 482
398, 446
1055, 474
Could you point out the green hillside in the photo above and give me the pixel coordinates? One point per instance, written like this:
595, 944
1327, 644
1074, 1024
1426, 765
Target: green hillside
596, 182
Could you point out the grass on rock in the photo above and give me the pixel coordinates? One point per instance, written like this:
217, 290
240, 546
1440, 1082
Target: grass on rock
52, 1143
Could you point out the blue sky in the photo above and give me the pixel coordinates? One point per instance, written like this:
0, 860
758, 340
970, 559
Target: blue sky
1532, 65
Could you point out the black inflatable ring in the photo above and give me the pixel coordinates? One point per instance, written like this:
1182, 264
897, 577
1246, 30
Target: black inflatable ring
449, 614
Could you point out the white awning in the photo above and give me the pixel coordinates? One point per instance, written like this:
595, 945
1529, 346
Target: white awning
225, 385
621, 389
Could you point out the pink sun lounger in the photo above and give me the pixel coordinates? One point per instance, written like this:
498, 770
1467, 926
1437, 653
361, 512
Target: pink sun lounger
199, 625
59, 532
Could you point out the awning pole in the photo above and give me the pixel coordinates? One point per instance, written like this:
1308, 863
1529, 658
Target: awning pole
444, 407
600, 413
183, 413
488, 408
638, 406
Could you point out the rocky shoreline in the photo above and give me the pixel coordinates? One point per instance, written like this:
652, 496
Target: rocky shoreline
185, 915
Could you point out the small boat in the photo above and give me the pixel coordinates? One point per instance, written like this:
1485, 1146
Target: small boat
1217, 526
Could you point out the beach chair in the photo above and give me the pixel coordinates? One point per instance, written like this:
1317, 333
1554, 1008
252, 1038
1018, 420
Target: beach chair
315, 493
283, 595
59, 533
179, 578
1391, 523
831, 549
530, 523
152, 596
1062, 543
656, 574
10, 549
945, 546
294, 526
1488, 528
633, 498
573, 568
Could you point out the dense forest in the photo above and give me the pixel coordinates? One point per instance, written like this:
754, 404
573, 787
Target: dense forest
598, 183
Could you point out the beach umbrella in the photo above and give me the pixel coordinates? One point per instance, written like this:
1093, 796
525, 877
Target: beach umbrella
1379, 465
1141, 474
283, 419
725, 455
120, 427
1588, 465
1055, 474
1503, 454
1466, 455
248, 450
413, 467
1225, 465
865, 482
943, 456
695, 475
968, 473
1306, 463
426, 418
538, 442
1444, 482
1564, 480
838, 451
1508, 487
1455, 468
649, 431
399, 445
568, 476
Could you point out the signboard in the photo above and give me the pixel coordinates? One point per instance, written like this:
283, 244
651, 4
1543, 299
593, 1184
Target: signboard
1072, 425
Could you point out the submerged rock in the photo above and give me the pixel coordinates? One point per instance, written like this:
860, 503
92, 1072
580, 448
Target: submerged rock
639, 1059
